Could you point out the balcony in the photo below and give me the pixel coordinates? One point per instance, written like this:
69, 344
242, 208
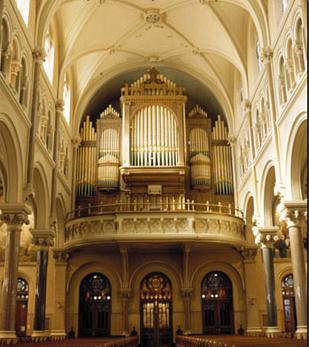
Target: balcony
136, 222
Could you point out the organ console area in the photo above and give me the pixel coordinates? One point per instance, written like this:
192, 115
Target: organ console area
152, 152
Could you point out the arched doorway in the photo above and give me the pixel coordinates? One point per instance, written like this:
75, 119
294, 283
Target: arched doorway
287, 289
156, 311
21, 307
217, 304
94, 305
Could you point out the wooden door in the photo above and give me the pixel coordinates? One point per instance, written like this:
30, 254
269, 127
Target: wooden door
217, 304
156, 311
287, 289
94, 306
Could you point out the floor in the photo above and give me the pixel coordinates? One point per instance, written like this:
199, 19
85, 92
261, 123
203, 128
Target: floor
237, 341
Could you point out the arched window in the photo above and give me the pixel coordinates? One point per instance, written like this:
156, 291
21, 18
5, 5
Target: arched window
299, 47
23, 7
287, 289
282, 82
4, 47
290, 66
50, 53
283, 5
23, 92
258, 51
67, 99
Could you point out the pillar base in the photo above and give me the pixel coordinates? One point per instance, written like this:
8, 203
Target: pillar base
272, 332
254, 331
39, 335
301, 332
8, 337
57, 335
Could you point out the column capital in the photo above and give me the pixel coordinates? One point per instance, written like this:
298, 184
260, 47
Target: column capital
266, 55
186, 292
14, 215
249, 254
294, 213
265, 236
125, 293
232, 139
76, 141
43, 238
246, 105
39, 54
61, 256
59, 105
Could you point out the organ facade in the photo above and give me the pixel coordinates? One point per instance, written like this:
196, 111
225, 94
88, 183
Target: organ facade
154, 153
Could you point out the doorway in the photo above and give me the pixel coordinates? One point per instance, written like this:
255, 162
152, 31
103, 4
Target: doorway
217, 304
21, 307
94, 306
288, 297
156, 311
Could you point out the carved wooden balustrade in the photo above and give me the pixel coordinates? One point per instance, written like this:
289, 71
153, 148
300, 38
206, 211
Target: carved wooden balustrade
190, 341
164, 222
123, 342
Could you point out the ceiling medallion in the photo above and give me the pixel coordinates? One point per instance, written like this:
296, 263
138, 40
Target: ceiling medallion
152, 16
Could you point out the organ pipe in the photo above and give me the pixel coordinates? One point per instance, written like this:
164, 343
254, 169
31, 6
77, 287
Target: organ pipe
154, 137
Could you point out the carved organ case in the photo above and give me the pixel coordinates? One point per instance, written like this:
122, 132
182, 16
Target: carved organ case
153, 133
152, 153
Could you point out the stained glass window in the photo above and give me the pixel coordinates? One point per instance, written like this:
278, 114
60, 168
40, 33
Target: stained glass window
156, 286
95, 287
287, 285
216, 285
22, 289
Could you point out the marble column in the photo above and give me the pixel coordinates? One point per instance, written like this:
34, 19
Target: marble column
125, 290
294, 214
266, 237
58, 331
253, 323
42, 239
14, 216
186, 290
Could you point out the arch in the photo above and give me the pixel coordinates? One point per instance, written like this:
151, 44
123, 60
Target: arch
267, 188
282, 81
238, 288
5, 42
73, 285
11, 160
41, 197
296, 156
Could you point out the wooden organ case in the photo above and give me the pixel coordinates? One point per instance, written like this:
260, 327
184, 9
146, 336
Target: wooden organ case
153, 152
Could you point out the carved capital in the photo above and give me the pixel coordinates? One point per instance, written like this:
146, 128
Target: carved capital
294, 213
39, 55
266, 55
265, 236
186, 292
231, 139
76, 141
246, 106
14, 215
249, 254
43, 238
61, 256
125, 293
59, 105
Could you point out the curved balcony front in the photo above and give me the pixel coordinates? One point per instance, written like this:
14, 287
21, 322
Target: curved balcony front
135, 223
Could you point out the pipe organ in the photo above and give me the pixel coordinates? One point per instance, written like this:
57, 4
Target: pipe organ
151, 153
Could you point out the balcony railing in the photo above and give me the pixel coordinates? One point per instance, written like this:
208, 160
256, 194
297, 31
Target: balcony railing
145, 206
161, 222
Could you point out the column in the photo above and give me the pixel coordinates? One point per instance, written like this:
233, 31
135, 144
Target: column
59, 109
76, 141
14, 215
266, 237
267, 55
43, 239
186, 290
58, 325
38, 57
253, 323
232, 142
294, 214
125, 290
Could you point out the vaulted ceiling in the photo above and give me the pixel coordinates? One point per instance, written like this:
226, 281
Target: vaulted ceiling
102, 40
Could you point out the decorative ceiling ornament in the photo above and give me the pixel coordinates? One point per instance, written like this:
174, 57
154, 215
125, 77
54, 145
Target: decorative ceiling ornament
152, 16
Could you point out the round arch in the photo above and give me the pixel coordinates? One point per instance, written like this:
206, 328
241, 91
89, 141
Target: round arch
268, 182
73, 285
238, 288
